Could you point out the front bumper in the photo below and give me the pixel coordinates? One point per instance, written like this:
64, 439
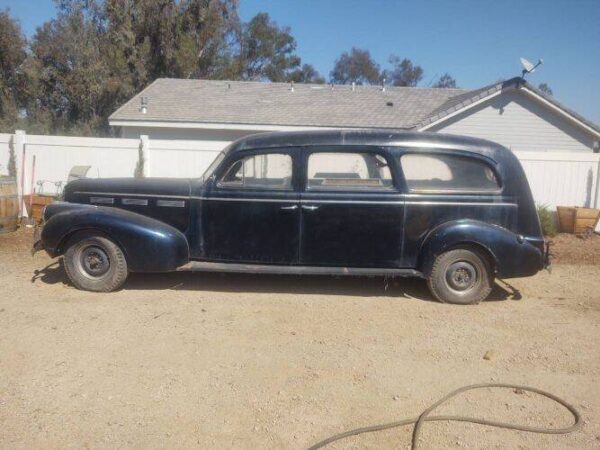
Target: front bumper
547, 255
37, 240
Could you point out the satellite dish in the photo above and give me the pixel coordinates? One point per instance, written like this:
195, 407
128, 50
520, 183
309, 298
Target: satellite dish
529, 67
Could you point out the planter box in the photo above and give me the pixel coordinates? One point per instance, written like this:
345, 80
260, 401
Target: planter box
577, 220
37, 203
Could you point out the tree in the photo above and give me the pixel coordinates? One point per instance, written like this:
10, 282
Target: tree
306, 74
355, 67
71, 74
12, 83
545, 88
265, 51
445, 81
403, 72
96, 54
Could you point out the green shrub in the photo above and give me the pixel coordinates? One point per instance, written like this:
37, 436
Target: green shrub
547, 220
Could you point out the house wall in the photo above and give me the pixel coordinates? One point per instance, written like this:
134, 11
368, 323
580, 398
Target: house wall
521, 123
184, 133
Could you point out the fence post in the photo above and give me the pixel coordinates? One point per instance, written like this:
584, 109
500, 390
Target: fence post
597, 195
145, 146
18, 147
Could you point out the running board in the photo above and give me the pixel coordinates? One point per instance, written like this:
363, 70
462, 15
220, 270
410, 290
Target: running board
203, 266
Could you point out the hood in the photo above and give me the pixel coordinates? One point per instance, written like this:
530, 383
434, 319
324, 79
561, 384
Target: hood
177, 187
164, 199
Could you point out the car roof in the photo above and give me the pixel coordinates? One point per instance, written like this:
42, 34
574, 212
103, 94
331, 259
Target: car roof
389, 138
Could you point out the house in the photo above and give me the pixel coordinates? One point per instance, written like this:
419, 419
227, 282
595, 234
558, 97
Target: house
512, 113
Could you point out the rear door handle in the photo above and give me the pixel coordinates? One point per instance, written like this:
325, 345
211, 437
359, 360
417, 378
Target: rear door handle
289, 208
310, 207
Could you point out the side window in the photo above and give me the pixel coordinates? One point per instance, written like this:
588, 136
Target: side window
441, 172
267, 171
351, 171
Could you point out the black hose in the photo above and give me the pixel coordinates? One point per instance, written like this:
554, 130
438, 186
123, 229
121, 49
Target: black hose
425, 417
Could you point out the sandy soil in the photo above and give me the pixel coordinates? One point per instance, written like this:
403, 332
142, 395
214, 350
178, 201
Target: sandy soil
237, 361
571, 249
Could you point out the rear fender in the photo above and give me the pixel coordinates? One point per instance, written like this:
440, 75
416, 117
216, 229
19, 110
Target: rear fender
510, 254
149, 245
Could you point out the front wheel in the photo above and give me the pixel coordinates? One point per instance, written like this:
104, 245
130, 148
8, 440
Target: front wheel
95, 263
461, 276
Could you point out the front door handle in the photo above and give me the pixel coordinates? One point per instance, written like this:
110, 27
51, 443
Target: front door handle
289, 208
310, 207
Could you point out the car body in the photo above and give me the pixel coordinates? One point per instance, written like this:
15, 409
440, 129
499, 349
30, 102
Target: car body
373, 202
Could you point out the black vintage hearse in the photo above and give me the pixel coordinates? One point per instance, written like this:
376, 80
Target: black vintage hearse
456, 211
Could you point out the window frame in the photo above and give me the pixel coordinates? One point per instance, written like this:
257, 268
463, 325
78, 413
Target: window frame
349, 149
238, 156
488, 162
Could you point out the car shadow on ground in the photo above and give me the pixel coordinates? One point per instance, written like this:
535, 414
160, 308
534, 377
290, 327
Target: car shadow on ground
288, 284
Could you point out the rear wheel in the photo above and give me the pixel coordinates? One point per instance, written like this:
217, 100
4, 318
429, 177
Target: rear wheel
95, 263
461, 276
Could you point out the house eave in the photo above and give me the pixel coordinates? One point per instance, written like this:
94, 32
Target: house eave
466, 107
213, 125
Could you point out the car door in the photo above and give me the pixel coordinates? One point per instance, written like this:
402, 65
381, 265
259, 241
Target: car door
250, 211
351, 209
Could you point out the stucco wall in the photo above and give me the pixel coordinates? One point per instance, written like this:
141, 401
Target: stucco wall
520, 123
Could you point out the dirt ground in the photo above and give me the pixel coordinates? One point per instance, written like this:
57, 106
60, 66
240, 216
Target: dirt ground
571, 249
238, 361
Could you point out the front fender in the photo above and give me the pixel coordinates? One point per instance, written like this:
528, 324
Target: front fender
148, 244
511, 254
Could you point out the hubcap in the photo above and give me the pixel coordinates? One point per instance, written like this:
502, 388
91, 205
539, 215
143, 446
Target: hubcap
94, 261
461, 276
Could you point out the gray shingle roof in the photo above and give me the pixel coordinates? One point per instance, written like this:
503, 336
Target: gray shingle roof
229, 102
257, 103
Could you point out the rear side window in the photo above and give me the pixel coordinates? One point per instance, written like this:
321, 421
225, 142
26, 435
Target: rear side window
348, 171
266, 171
447, 173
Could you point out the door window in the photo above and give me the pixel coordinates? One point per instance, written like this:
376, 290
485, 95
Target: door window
348, 171
447, 173
264, 171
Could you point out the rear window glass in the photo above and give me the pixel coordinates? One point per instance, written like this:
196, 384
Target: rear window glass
440, 172
348, 171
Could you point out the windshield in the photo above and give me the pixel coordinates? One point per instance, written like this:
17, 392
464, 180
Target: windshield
208, 172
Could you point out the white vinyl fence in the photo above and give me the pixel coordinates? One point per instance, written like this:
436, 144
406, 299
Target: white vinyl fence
556, 178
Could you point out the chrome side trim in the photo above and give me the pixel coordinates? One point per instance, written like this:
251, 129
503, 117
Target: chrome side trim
230, 199
171, 203
102, 200
428, 203
129, 194
134, 201
355, 202
305, 200
358, 202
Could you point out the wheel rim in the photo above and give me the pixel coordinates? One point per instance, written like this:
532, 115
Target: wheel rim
461, 276
94, 261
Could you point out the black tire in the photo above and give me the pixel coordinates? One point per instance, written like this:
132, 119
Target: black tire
95, 263
461, 277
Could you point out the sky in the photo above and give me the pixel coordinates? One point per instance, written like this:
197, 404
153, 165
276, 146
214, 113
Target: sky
477, 41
